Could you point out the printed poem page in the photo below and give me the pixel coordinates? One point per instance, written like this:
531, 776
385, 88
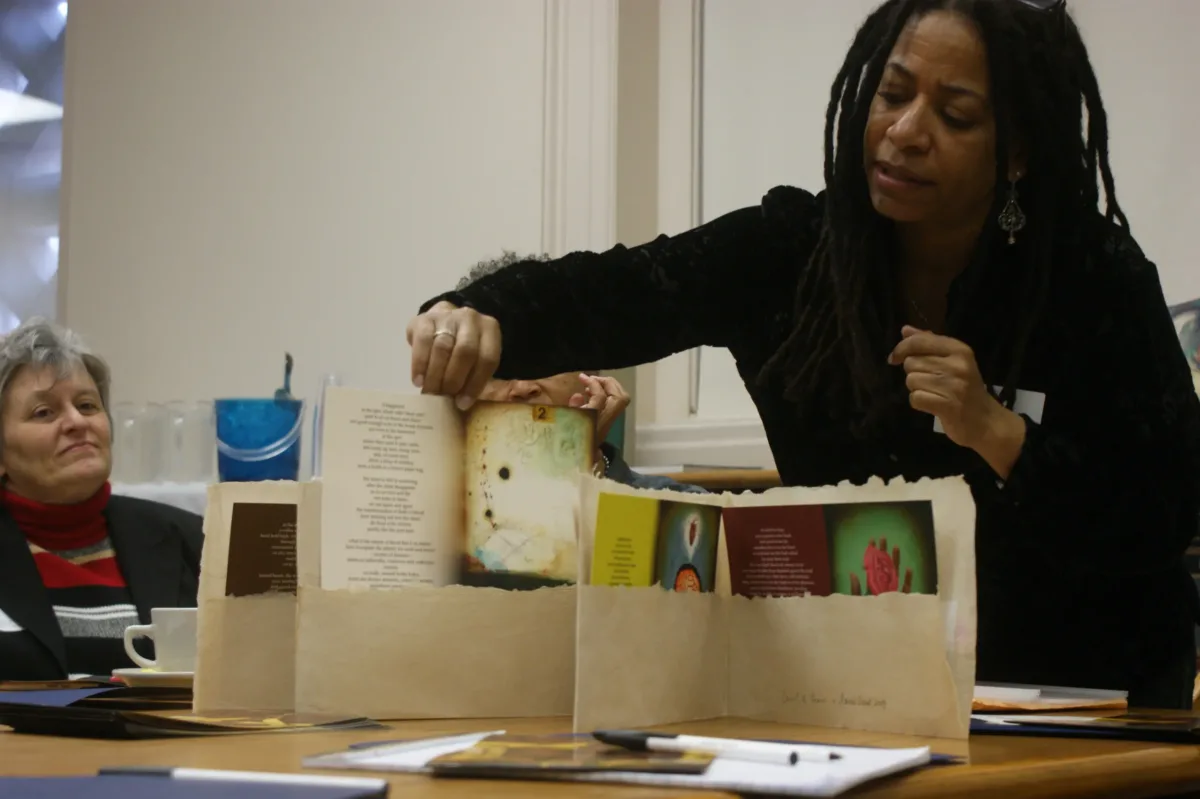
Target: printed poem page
392, 510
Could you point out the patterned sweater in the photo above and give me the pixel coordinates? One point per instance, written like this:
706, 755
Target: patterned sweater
78, 566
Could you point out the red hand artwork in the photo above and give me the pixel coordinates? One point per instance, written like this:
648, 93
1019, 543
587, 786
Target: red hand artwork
883, 572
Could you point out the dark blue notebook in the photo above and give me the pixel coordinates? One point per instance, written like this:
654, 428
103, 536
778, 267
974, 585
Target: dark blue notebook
106, 696
58, 698
121, 787
1161, 732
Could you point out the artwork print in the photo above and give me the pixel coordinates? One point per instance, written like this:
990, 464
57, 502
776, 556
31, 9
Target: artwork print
522, 464
879, 547
861, 549
643, 541
1187, 325
687, 546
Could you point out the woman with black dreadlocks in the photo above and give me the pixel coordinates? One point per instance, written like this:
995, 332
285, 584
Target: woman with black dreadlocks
957, 245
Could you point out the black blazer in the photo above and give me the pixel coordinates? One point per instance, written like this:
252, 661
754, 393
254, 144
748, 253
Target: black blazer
158, 549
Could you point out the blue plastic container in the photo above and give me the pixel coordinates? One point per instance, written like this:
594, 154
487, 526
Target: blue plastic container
258, 439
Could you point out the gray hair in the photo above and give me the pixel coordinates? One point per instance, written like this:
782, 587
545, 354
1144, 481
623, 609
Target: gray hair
38, 343
488, 267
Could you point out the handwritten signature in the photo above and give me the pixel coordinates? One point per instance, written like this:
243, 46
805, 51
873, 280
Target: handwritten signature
810, 698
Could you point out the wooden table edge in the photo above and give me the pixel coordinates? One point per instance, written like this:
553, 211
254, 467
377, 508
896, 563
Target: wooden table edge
728, 479
1174, 768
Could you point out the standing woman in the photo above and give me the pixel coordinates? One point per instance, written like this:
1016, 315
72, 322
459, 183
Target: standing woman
958, 245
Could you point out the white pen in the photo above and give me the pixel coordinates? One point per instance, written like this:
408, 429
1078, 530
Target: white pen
732, 748
364, 783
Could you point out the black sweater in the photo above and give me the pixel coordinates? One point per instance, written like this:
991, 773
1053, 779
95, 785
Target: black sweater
158, 551
1079, 553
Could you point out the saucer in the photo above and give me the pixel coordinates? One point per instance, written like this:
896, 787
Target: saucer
150, 678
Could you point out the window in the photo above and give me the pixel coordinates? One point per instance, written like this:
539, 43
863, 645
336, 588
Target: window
31, 93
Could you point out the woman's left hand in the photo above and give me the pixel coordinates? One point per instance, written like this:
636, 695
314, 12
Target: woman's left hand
944, 381
606, 396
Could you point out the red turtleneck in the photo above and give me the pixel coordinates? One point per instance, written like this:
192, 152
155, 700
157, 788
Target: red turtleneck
55, 532
78, 566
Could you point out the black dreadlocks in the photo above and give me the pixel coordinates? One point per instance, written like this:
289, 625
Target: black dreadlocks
847, 309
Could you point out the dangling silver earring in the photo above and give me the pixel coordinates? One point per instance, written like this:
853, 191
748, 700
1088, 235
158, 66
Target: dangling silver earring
1012, 218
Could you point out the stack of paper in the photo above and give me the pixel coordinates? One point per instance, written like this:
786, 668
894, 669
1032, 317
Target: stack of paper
855, 765
993, 698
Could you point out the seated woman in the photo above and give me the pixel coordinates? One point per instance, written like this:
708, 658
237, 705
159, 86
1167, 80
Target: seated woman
77, 566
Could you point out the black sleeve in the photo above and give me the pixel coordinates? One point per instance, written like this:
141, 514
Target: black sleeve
1115, 471
191, 529
628, 306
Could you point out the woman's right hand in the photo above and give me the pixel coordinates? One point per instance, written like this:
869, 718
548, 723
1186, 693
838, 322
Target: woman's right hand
455, 351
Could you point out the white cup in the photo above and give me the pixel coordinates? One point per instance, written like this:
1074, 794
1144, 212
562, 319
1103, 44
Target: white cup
174, 636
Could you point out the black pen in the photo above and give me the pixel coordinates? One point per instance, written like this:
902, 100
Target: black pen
732, 748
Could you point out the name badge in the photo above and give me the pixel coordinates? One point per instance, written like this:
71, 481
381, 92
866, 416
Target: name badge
1029, 403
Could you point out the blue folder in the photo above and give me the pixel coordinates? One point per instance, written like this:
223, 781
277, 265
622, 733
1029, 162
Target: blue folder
122, 787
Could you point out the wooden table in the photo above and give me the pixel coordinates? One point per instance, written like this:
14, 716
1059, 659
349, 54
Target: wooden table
729, 479
999, 766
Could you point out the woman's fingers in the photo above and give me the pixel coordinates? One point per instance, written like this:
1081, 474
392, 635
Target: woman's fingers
596, 395
420, 336
441, 346
609, 397
455, 351
486, 361
614, 389
463, 356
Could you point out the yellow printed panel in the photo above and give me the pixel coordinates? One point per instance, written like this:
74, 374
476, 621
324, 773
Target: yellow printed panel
626, 537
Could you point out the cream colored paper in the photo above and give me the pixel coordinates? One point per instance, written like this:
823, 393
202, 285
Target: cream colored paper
449, 652
424, 652
392, 513
836, 662
649, 655
644, 655
245, 653
893, 663
954, 532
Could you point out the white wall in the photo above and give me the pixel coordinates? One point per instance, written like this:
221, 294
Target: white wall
245, 177
767, 130
248, 176
1147, 59
766, 70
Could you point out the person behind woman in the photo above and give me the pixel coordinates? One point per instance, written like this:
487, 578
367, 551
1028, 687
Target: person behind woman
605, 395
957, 247
77, 565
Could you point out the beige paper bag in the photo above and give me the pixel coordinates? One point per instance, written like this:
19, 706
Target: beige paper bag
245, 654
891, 663
450, 652
831, 662
921, 648
649, 655
425, 652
